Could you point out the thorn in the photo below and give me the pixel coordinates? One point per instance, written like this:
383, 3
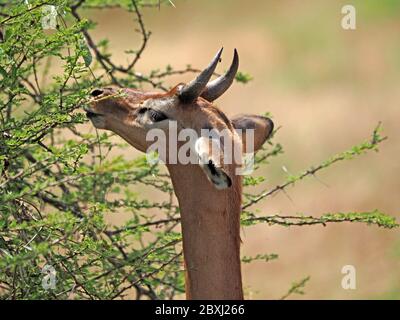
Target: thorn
320, 181
287, 195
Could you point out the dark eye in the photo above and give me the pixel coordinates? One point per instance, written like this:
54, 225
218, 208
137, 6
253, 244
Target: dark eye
143, 110
156, 116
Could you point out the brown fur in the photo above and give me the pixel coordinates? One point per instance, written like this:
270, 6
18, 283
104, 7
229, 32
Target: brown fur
210, 217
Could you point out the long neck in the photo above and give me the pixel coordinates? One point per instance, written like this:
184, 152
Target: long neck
211, 234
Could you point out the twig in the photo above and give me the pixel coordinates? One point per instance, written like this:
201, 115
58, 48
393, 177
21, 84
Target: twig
357, 150
296, 288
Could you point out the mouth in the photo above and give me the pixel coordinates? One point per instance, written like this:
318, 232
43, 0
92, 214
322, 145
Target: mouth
90, 114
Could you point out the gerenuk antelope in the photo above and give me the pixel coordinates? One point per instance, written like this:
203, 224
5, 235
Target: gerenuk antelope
209, 192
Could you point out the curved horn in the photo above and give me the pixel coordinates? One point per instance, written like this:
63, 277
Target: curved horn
217, 87
195, 87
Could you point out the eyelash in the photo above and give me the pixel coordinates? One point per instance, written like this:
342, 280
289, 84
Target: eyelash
156, 116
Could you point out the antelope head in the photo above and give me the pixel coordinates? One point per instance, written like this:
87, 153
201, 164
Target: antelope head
132, 113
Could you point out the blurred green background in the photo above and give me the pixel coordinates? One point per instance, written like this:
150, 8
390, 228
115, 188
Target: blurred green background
326, 88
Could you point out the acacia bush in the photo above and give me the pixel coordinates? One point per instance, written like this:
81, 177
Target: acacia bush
57, 184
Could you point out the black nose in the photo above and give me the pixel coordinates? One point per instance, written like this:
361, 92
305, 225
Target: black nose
96, 92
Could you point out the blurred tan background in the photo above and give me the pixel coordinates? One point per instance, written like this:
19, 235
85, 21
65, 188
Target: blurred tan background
327, 88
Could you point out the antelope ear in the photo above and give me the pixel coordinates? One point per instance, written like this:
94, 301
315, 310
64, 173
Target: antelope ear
262, 128
209, 154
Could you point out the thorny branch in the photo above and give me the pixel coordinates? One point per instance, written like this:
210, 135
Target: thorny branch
85, 241
371, 145
67, 184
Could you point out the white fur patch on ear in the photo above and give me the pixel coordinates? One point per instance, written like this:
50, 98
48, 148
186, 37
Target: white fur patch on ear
209, 153
206, 149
